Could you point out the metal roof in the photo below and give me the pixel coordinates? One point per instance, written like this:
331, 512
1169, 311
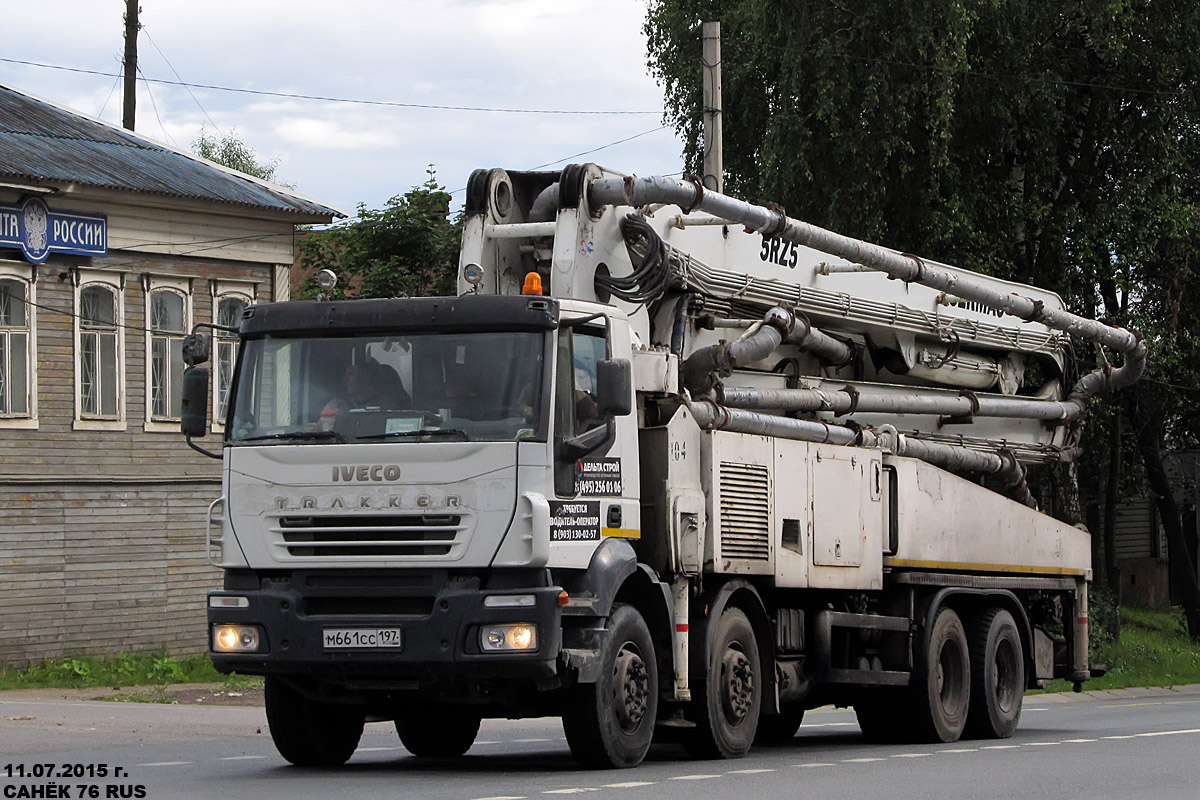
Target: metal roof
40, 142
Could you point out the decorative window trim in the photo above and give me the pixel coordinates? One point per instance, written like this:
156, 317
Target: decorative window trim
27, 274
222, 290
83, 278
150, 285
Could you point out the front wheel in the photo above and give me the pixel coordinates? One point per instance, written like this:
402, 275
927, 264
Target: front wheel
727, 715
308, 733
441, 732
609, 723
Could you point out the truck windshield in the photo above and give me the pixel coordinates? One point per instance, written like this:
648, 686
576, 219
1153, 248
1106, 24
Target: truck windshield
481, 386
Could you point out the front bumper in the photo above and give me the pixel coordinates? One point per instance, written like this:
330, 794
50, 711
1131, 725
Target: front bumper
439, 618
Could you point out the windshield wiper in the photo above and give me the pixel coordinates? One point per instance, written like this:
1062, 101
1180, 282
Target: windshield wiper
452, 432
285, 435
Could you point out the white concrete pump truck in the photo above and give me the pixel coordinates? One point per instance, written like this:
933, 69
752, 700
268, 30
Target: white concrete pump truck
671, 465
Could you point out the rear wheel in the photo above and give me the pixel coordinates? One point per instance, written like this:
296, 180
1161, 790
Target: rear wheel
609, 723
881, 717
941, 696
997, 675
308, 733
439, 732
727, 715
780, 728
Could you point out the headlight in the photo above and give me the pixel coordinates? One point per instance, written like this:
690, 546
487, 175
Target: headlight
522, 636
236, 638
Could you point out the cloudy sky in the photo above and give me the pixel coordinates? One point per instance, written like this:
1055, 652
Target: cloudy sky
534, 55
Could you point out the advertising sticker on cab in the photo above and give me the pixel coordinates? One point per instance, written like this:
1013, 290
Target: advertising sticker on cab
574, 521
598, 477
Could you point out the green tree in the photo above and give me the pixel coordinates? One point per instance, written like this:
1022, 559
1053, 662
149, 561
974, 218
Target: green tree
407, 248
230, 151
1050, 143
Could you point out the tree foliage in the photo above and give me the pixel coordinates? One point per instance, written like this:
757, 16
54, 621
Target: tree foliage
408, 248
1050, 143
230, 151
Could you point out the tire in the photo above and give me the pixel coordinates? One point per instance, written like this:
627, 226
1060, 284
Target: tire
881, 719
727, 715
941, 695
609, 723
438, 732
997, 675
780, 728
308, 733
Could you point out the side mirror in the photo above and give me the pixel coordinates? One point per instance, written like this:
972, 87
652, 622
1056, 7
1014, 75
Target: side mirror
196, 348
614, 387
194, 414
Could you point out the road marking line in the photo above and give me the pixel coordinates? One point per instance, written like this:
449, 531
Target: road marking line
487, 743
527, 741
377, 749
693, 777
243, 758
167, 764
628, 784
1000, 747
1078, 741
749, 771
960, 750
1040, 744
831, 725
911, 755
1169, 733
573, 790
1126, 736
859, 760
503, 797
816, 764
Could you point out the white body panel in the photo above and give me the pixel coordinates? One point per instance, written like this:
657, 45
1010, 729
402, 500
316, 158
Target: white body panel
948, 523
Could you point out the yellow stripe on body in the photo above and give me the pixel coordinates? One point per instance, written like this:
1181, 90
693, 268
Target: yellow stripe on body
972, 567
622, 533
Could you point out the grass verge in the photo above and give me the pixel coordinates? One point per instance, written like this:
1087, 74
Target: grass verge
124, 669
1154, 650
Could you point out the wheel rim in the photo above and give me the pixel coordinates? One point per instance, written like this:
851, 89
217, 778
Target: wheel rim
949, 678
631, 688
737, 677
1005, 681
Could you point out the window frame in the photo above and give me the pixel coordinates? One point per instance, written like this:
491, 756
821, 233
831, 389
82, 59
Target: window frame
115, 283
25, 274
225, 290
152, 284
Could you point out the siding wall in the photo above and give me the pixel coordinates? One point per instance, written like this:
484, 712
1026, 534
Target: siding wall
102, 539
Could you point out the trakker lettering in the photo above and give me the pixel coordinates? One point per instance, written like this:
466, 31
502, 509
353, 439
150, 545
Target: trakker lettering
375, 472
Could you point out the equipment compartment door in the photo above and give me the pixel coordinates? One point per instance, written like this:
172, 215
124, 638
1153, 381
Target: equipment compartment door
842, 506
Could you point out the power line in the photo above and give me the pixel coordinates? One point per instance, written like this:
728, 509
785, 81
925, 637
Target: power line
154, 105
323, 98
177, 75
601, 147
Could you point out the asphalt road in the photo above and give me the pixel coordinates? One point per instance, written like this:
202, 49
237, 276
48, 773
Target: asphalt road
1126, 744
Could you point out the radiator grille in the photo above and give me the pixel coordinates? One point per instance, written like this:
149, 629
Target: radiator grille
382, 535
745, 511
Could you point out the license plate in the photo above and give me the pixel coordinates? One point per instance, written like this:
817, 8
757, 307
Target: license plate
351, 638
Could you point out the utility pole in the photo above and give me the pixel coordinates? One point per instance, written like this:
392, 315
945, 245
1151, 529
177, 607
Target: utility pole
131, 34
714, 167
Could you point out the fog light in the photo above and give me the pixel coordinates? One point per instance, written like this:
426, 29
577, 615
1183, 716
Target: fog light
236, 639
227, 601
509, 600
522, 636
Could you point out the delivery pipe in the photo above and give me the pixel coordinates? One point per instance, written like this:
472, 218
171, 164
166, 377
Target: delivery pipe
691, 195
710, 415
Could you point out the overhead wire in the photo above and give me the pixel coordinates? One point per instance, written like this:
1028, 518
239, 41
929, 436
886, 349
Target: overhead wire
179, 77
330, 99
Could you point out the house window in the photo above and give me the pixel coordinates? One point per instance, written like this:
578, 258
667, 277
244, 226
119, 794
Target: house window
99, 349
15, 348
168, 315
228, 314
